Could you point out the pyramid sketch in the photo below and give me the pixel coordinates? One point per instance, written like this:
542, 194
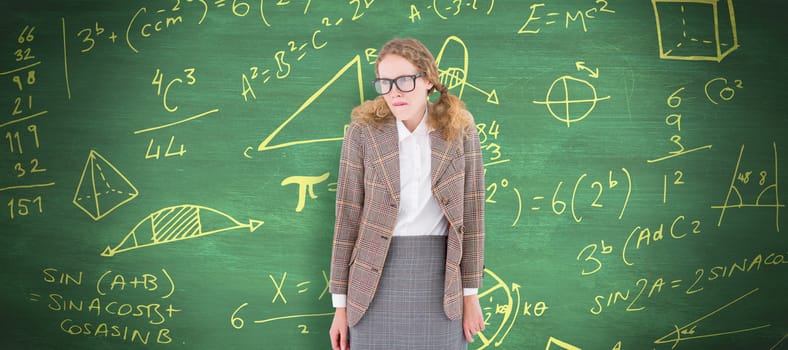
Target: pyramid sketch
102, 188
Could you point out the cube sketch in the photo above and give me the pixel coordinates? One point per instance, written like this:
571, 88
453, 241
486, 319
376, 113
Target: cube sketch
695, 30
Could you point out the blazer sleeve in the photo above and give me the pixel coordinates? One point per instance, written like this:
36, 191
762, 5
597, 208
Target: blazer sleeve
349, 205
472, 263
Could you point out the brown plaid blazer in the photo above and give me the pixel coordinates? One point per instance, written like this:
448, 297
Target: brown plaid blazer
367, 207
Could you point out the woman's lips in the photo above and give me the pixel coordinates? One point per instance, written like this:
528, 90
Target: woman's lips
399, 104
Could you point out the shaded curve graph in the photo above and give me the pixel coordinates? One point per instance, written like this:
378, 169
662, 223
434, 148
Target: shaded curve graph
178, 223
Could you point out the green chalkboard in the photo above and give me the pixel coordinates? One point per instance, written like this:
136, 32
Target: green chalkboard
168, 168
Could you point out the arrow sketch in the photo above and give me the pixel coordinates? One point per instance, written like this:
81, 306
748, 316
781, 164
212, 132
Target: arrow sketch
178, 223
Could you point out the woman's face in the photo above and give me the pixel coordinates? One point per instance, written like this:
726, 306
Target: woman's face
408, 106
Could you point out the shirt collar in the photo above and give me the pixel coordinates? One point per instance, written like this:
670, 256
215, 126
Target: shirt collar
421, 129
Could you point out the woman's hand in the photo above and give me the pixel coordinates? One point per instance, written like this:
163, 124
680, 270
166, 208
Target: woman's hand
339, 330
472, 320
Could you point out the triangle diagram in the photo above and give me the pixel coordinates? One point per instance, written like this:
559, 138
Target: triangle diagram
728, 324
317, 115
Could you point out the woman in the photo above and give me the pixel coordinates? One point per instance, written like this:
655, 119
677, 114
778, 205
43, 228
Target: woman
408, 250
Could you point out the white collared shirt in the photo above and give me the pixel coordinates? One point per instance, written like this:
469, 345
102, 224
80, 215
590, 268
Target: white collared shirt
419, 212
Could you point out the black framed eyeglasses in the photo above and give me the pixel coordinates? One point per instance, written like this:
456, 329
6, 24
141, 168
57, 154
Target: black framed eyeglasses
405, 83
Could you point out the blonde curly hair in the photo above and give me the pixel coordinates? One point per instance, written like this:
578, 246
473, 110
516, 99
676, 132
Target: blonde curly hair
447, 113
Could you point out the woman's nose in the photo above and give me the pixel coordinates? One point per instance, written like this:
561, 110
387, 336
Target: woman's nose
395, 90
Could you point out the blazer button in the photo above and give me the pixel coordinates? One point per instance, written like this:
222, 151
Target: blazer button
462, 229
445, 201
375, 269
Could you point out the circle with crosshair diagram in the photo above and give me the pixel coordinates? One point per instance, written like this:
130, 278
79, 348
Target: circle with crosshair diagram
571, 110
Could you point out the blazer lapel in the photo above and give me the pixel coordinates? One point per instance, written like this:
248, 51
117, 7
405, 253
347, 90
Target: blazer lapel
443, 153
385, 142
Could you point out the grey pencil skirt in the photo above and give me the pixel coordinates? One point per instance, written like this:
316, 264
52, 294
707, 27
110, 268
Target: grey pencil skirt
407, 310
